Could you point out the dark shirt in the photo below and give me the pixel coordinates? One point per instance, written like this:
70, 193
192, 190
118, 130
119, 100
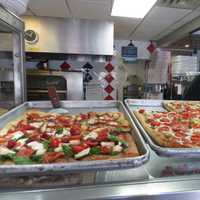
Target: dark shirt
193, 91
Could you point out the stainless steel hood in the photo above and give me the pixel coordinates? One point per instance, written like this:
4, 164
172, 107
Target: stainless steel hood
70, 36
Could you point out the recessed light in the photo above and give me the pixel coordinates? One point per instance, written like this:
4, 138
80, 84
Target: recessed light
132, 8
187, 45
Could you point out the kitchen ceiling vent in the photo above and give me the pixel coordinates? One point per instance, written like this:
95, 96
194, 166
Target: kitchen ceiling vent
181, 4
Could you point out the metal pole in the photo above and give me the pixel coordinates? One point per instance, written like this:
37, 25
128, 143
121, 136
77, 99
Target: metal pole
18, 66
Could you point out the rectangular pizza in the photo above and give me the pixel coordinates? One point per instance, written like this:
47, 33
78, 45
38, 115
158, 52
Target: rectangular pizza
182, 106
40, 137
172, 129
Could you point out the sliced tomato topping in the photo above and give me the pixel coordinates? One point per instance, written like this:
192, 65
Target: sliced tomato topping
11, 144
91, 143
164, 119
54, 143
84, 116
176, 128
25, 127
157, 115
104, 150
155, 123
2, 139
195, 125
50, 157
75, 129
167, 123
45, 136
103, 135
75, 137
179, 134
185, 115
185, 123
195, 138
141, 110
163, 129
79, 148
25, 152
64, 120
33, 116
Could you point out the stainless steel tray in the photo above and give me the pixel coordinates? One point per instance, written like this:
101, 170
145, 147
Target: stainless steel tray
77, 107
156, 105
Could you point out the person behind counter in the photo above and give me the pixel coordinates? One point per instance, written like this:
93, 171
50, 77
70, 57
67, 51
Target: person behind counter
193, 91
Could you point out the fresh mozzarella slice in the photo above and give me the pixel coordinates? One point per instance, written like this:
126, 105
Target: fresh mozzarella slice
92, 121
74, 142
16, 135
51, 132
117, 148
83, 153
3, 131
113, 123
65, 132
21, 143
51, 124
36, 124
38, 147
93, 135
30, 131
5, 151
107, 144
60, 147
43, 127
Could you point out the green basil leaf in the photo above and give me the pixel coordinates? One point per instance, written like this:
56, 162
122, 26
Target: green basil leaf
114, 153
59, 130
22, 160
7, 157
113, 138
67, 150
46, 144
37, 158
95, 151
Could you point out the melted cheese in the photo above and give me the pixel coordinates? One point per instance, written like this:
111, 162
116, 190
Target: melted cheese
16, 135
36, 124
93, 135
5, 151
38, 147
83, 153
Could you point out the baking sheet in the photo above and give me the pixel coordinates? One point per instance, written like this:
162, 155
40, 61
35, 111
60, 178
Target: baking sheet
76, 107
156, 105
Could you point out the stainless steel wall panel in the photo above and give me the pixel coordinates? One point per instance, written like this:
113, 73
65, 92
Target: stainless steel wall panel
72, 36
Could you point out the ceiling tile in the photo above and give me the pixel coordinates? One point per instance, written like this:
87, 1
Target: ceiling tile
159, 19
91, 9
52, 8
124, 26
180, 23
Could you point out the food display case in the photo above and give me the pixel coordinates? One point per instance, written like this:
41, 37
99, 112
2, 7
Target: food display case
12, 78
160, 177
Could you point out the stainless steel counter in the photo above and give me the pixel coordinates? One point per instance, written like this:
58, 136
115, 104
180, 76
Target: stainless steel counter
180, 189
146, 182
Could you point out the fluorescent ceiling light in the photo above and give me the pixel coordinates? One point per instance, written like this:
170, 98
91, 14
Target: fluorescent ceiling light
132, 8
187, 46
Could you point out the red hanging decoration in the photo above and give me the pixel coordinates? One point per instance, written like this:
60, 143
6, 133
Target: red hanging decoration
109, 98
151, 48
109, 89
109, 67
109, 78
